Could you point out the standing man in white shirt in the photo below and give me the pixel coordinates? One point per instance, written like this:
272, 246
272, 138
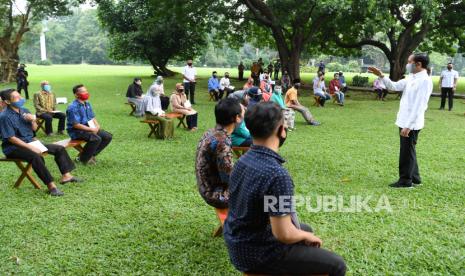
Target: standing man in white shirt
448, 85
189, 74
417, 88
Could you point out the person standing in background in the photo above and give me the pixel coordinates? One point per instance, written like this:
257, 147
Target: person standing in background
21, 80
448, 85
189, 74
277, 68
241, 69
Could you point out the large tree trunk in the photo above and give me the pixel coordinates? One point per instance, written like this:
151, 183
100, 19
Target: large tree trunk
290, 58
160, 68
397, 68
8, 62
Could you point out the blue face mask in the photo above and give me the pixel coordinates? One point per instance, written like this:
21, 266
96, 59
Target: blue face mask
19, 103
47, 88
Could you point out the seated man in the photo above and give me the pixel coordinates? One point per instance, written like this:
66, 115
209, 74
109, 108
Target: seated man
214, 87
82, 125
342, 81
45, 105
134, 95
335, 89
291, 100
214, 160
225, 85
17, 126
319, 88
265, 238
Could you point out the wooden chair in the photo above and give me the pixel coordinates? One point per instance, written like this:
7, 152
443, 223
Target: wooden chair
179, 116
222, 214
316, 102
40, 124
68, 143
212, 97
26, 172
239, 151
153, 125
133, 108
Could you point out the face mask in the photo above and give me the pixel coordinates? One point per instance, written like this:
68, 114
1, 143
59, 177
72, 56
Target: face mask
139, 83
297, 85
214, 76
19, 103
281, 139
279, 90
449, 68
190, 64
226, 77
47, 88
409, 68
83, 96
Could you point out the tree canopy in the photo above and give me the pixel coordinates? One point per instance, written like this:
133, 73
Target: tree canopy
154, 30
400, 27
16, 19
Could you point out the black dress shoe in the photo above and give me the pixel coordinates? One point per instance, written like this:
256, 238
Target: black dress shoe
400, 185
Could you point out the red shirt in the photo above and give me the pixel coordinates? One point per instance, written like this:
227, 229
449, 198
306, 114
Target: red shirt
332, 86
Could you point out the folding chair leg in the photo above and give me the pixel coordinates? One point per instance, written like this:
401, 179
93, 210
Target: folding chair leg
79, 148
218, 231
26, 172
181, 122
153, 129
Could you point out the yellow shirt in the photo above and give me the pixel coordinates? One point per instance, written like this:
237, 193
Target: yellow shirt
291, 95
44, 102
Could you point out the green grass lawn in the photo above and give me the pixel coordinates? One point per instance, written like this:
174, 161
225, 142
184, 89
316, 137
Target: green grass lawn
139, 211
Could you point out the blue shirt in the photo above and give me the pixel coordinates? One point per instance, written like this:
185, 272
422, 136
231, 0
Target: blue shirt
213, 83
342, 79
247, 229
12, 124
78, 113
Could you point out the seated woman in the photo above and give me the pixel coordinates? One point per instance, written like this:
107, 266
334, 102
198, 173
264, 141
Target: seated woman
248, 84
335, 89
180, 104
134, 95
154, 110
319, 88
266, 88
380, 89
288, 113
241, 135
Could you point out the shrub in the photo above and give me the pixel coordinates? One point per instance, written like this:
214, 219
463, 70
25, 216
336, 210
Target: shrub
360, 81
335, 67
46, 62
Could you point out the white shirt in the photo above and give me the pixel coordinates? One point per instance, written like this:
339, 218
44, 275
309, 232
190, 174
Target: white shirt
318, 86
448, 78
224, 82
189, 72
417, 89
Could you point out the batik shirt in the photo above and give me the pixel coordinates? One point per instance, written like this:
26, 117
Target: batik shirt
213, 166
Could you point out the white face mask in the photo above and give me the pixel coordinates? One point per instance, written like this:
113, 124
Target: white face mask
409, 68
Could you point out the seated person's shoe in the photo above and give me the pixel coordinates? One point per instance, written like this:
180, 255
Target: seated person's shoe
55, 192
400, 185
315, 123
